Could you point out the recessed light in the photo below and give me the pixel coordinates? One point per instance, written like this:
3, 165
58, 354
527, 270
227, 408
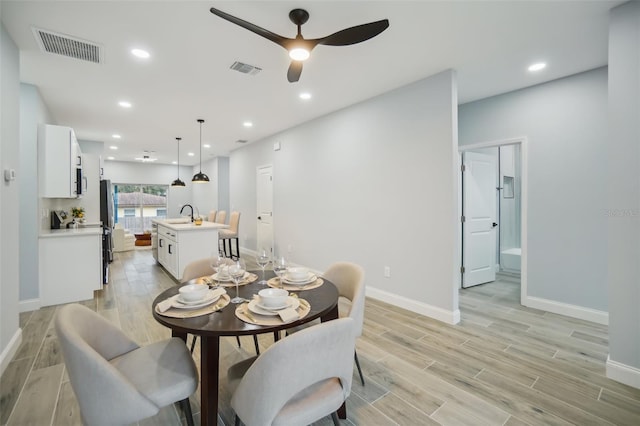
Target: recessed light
537, 67
111, 158
305, 95
247, 124
124, 104
116, 136
140, 53
190, 154
174, 162
113, 147
206, 145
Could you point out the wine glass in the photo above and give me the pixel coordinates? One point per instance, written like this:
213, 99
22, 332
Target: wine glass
262, 259
218, 261
280, 267
237, 270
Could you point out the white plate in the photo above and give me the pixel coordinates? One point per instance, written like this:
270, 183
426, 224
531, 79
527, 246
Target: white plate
228, 278
256, 308
212, 296
311, 278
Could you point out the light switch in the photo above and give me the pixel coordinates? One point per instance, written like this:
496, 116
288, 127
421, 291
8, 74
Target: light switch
9, 175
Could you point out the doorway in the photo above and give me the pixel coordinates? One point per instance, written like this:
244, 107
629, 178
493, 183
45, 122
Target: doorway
493, 200
264, 207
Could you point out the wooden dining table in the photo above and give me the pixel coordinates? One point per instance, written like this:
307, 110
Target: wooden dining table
324, 305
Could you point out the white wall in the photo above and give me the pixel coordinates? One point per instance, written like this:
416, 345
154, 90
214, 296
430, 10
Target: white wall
215, 194
374, 184
33, 111
623, 208
10, 333
565, 122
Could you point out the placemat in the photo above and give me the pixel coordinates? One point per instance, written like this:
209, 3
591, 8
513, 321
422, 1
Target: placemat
243, 313
208, 280
190, 313
275, 283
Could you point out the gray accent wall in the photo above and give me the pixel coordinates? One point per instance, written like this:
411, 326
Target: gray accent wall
623, 204
374, 184
565, 122
9, 196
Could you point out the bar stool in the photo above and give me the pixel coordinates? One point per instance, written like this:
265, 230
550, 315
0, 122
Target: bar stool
227, 235
212, 216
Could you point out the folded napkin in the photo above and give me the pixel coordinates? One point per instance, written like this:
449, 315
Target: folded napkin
288, 314
167, 304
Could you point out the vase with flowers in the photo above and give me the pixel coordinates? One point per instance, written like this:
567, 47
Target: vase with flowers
78, 214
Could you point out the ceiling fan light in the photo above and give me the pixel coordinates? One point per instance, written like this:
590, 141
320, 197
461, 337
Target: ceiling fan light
299, 54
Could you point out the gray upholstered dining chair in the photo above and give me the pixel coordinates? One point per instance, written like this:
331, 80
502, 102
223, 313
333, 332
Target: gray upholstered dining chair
115, 380
298, 380
200, 268
349, 279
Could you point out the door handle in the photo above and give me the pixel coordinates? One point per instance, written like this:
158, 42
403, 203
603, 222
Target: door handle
493, 225
259, 217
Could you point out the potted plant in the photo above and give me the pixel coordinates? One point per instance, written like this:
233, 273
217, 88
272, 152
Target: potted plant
78, 214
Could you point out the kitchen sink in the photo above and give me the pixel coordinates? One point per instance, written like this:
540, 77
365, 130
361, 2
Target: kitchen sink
178, 220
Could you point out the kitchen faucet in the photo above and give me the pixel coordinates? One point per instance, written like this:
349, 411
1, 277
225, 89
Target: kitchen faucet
191, 207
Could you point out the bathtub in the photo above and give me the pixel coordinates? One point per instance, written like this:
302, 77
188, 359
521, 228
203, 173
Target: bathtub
510, 259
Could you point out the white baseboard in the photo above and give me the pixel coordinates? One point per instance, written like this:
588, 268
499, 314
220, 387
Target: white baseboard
574, 311
449, 317
623, 373
12, 347
28, 305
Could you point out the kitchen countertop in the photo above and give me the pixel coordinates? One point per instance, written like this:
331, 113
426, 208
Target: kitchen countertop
56, 233
190, 226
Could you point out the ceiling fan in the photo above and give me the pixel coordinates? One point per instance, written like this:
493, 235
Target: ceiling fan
299, 48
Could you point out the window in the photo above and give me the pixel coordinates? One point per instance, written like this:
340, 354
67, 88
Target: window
138, 205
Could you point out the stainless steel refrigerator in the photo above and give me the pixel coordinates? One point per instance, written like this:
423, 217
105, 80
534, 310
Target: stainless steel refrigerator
106, 217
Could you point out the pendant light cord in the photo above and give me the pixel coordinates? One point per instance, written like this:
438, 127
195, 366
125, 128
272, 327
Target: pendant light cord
201, 121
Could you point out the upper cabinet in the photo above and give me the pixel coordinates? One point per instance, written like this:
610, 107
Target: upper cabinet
59, 162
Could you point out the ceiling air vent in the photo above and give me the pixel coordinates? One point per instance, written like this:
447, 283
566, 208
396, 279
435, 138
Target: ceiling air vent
245, 68
242, 141
65, 45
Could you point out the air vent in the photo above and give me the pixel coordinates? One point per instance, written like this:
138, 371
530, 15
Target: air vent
65, 45
245, 68
242, 141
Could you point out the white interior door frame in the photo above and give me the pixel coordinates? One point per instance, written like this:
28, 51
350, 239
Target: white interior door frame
264, 207
523, 142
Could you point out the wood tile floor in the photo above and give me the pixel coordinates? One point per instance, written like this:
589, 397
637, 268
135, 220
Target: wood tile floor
502, 365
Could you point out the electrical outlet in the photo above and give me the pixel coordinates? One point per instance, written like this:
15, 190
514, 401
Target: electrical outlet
387, 272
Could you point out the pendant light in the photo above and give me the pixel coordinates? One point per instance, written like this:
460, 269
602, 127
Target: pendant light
178, 182
200, 177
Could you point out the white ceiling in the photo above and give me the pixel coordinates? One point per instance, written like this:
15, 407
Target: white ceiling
490, 44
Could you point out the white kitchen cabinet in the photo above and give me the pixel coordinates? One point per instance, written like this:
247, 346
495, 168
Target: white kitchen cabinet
182, 243
70, 265
168, 250
59, 159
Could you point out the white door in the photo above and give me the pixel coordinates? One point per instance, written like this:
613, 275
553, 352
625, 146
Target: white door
264, 191
479, 226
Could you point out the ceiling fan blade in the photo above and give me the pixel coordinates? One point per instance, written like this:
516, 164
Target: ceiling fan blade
355, 34
276, 38
295, 69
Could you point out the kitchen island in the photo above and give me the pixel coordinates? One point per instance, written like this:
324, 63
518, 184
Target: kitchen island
180, 242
